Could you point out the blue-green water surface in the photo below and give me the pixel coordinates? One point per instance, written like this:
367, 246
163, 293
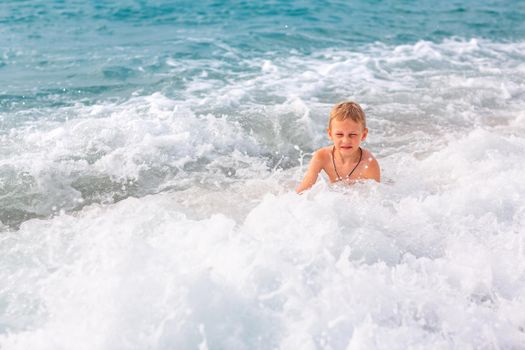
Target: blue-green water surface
60, 52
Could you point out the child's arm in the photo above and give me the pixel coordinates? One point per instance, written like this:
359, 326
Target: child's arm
314, 168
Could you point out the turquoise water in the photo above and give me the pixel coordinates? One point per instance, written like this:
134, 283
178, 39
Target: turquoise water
60, 52
149, 152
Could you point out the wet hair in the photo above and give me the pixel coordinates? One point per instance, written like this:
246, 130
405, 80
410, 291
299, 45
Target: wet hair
347, 110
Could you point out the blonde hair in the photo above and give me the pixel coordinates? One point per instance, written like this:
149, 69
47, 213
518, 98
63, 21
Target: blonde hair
347, 110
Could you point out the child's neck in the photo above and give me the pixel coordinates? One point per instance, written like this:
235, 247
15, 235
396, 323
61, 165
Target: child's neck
350, 158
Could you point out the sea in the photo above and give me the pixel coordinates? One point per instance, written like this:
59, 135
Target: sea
150, 151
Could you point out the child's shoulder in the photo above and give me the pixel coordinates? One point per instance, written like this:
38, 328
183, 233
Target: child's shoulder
371, 166
369, 158
322, 154
367, 155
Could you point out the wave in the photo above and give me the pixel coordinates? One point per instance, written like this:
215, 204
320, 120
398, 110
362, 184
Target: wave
229, 124
426, 259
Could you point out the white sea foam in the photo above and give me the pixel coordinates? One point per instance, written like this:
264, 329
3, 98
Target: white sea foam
218, 252
148, 140
434, 259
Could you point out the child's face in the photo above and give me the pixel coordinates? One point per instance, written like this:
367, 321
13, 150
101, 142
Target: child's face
347, 135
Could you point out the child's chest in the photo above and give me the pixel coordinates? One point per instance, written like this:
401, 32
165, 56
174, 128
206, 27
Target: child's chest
348, 172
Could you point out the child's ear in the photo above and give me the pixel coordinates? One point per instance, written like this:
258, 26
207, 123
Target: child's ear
329, 133
365, 133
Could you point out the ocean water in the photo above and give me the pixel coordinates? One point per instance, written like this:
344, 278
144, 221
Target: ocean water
149, 152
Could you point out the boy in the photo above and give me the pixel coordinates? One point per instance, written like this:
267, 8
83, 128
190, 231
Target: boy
345, 160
